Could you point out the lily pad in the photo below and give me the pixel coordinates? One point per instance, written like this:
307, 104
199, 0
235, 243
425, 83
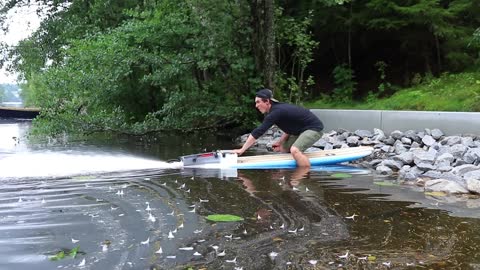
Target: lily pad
342, 175
83, 177
436, 193
386, 183
62, 254
224, 218
58, 256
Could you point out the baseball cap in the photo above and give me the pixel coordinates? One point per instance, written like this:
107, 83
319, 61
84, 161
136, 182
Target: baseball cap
266, 93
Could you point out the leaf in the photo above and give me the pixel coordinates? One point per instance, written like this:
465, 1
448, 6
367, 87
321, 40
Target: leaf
372, 258
83, 177
60, 255
342, 175
224, 218
386, 183
436, 193
73, 252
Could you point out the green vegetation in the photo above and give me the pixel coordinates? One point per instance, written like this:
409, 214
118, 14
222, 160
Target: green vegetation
449, 92
224, 218
62, 254
138, 67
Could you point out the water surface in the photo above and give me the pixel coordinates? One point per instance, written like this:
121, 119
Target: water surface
125, 207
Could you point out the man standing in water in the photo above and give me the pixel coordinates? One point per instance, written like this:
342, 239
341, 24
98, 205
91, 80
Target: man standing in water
301, 128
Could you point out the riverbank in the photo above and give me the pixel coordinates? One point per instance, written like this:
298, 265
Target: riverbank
428, 159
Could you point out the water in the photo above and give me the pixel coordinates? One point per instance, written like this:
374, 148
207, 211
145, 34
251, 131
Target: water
118, 201
12, 104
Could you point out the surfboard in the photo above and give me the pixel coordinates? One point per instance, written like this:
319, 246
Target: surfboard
228, 159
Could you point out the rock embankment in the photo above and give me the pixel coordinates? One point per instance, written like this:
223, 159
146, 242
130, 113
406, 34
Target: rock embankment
424, 158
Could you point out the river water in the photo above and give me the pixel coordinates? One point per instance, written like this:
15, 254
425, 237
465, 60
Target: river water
118, 204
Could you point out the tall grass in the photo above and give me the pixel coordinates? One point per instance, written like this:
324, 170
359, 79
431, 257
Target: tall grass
449, 92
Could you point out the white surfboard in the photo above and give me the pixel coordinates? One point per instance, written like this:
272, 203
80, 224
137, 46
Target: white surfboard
228, 159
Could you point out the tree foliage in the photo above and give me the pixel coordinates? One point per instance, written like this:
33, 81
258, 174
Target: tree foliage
142, 66
175, 66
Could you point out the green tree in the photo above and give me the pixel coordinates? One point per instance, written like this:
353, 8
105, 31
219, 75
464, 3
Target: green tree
176, 66
295, 52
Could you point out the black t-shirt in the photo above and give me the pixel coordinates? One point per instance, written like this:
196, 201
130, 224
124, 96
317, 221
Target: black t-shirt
290, 118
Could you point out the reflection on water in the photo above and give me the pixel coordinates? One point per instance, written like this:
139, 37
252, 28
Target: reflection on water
126, 211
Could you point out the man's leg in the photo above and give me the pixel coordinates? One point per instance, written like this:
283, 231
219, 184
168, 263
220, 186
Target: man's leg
304, 141
302, 160
285, 147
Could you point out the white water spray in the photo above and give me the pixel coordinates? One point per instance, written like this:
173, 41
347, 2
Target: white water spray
64, 164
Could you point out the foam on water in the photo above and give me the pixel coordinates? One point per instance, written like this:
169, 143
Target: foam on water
64, 164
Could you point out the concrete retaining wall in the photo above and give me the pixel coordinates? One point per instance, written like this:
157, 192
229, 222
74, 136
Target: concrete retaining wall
450, 123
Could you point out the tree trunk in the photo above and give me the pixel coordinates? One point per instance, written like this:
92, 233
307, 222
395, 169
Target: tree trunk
263, 39
269, 41
350, 36
439, 60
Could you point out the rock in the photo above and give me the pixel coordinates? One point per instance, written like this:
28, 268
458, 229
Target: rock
312, 149
320, 143
375, 162
405, 157
392, 164
433, 174
415, 145
413, 136
378, 135
389, 141
396, 134
467, 141
473, 185
453, 160
472, 155
452, 177
367, 141
409, 173
405, 140
436, 133
474, 203
472, 174
353, 140
444, 186
452, 140
384, 170
425, 166
444, 168
422, 156
428, 140
399, 147
387, 149
420, 182
445, 158
363, 133
458, 150
463, 169
459, 162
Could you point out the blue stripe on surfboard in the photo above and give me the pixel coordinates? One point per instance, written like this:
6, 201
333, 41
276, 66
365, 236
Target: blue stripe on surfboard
325, 160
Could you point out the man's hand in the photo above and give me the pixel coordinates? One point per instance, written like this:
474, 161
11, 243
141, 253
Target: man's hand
277, 146
238, 151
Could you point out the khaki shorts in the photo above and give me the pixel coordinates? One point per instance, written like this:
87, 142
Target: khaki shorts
303, 141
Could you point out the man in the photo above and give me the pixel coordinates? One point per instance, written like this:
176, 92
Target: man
301, 128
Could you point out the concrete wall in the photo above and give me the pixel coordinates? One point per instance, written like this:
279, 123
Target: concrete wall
450, 123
